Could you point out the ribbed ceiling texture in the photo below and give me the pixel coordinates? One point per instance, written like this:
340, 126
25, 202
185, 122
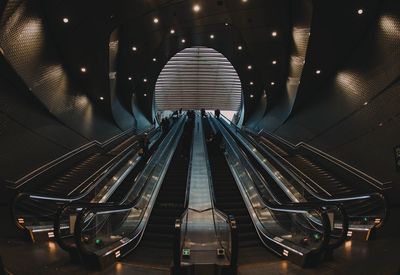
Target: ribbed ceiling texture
198, 77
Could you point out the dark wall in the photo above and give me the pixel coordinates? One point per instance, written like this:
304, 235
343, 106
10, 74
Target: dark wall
44, 113
29, 135
356, 114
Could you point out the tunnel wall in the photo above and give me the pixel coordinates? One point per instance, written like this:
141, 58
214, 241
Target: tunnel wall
356, 116
45, 115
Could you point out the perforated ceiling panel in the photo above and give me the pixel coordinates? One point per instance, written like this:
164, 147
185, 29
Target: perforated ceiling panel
196, 78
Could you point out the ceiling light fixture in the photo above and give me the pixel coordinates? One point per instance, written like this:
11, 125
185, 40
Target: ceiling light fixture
251, 96
196, 8
244, 1
318, 71
272, 83
144, 79
172, 31
240, 48
101, 98
129, 78
134, 49
274, 34
251, 83
249, 67
144, 94
365, 103
155, 20
360, 11
226, 24
183, 41
65, 20
274, 62
212, 36
83, 70
154, 59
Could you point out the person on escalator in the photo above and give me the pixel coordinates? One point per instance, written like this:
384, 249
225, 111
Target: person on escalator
144, 145
217, 113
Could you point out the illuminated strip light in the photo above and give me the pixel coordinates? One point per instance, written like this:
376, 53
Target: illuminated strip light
117, 254
50, 234
21, 220
349, 233
377, 220
285, 253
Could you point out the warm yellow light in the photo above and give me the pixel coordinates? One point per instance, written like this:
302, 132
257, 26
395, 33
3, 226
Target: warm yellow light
274, 33
65, 20
244, 1
196, 8
365, 103
155, 20
274, 62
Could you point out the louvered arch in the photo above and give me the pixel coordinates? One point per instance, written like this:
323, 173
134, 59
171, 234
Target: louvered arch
198, 77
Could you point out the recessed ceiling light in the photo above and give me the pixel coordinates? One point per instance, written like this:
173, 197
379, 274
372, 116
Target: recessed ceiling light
183, 41
101, 98
249, 67
274, 62
172, 31
240, 48
274, 33
65, 20
212, 36
129, 78
144, 94
365, 103
244, 1
196, 8
154, 59
360, 11
272, 83
83, 70
155, 20
380, 124
144, 79
251, 83
251, 96
318, 71
226, 24
134, 49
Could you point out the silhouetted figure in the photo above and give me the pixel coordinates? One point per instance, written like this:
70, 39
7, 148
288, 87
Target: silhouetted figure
144, 145
180, 111
203, 112
217, 113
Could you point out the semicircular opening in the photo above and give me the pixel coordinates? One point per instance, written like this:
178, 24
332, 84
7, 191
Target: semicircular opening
196, 78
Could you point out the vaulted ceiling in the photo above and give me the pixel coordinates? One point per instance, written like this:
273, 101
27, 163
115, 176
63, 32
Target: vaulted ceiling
253, 32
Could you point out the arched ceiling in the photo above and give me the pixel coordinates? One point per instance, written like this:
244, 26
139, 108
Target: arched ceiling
198, 77
335, 31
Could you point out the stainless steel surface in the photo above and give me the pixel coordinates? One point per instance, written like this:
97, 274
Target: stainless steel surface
201, 234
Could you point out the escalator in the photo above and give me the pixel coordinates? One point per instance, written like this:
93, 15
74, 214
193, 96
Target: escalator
156, 246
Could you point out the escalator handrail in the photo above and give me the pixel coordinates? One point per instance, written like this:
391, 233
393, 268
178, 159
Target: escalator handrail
327, 201
301, 208
95, 179
17, 184
94, 209
360, 174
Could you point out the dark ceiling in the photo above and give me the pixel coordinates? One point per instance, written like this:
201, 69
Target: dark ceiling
336, 29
